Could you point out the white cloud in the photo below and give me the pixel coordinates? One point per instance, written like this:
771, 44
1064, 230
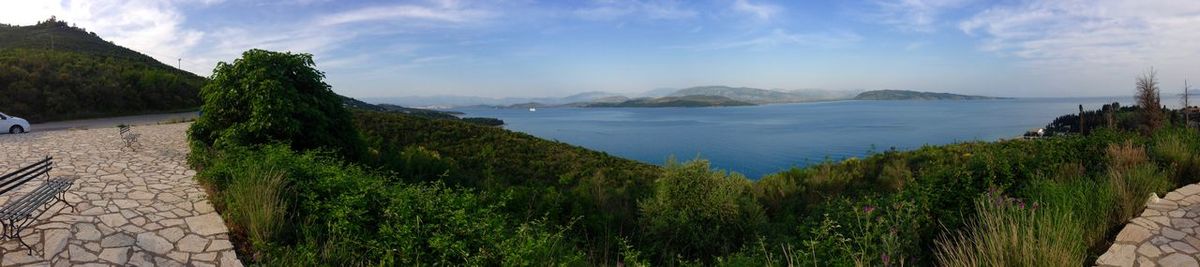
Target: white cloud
780, 37
1093, 33
913, 15
160, 30
448, 12
1097, 46
759, 11
615, 9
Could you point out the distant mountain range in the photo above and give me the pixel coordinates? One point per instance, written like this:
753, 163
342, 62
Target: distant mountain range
673, 101
701, 96
914, 95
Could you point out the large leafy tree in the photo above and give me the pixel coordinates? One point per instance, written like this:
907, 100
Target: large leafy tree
268, 97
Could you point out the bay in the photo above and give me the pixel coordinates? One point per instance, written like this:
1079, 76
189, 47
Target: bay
759, 140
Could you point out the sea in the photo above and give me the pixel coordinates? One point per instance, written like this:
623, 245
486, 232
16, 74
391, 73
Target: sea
759, 140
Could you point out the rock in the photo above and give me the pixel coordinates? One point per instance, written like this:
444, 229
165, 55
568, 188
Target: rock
173, 234
228, 259
1133, 233
153, 243
1178, 260
81, 255
1183, 223
1119, 255
118, 256
117, 240
86, 232
1173, 234
56, 241
192, 243
219, 245
1183, 247
208, 224
1149, 250
113, 220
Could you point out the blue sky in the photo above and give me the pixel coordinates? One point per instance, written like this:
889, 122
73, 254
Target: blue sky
502, 48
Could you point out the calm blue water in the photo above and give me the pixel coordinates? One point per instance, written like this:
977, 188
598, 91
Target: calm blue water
760, 140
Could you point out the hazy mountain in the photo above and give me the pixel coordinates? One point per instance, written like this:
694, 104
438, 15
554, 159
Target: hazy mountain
447, 101
675, 101
764, 96
915, 95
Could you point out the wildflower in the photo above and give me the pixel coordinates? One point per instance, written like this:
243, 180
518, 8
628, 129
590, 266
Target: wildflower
887, 261
868, 209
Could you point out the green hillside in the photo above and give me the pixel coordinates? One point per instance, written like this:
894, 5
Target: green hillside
84, 76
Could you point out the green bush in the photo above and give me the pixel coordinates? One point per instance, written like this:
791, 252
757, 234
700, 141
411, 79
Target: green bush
267, 97
696, 212
342, 214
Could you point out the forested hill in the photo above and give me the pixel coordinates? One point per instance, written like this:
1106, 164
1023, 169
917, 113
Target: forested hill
54, 71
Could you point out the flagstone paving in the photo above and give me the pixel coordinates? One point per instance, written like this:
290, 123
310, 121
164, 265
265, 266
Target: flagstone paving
135, 208
1166, 234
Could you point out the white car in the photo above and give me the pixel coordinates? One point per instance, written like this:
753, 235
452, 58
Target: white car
12, 124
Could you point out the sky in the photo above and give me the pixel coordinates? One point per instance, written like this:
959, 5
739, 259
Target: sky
526, 48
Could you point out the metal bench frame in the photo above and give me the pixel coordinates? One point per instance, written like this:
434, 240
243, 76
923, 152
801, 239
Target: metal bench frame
18, 214
129, 137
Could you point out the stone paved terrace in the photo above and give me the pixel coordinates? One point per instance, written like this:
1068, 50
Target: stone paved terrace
138, 208
1166, 234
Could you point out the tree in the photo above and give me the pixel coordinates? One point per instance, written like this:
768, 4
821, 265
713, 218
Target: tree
696, 212
268, 97
1148, 99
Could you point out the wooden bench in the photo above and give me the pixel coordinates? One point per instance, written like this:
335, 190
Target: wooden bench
130, 138
18, 214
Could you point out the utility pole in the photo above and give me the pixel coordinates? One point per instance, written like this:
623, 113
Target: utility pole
1186, 120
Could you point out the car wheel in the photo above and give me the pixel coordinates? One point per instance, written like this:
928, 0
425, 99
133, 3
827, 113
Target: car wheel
16, 130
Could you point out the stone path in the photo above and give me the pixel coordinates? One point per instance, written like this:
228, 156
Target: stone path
1166, 234
135, 208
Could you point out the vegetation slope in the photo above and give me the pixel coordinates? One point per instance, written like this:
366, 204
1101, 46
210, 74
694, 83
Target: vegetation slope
84, 76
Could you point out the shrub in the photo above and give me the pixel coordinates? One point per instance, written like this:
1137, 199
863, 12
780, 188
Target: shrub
895, 175
342, 214
696, 212
266, 97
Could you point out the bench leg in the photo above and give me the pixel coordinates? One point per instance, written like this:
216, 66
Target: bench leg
12, 231
63, 197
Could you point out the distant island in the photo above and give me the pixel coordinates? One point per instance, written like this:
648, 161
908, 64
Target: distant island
699, 96
674, 101
914, 95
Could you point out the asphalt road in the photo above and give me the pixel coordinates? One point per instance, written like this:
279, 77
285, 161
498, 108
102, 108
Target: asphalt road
113, 122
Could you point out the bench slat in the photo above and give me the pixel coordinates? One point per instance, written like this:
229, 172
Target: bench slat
16, 179
24, 207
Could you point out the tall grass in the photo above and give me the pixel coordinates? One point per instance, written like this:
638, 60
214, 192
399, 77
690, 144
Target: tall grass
256, 202
1131, 178
1177, 154
1007, 232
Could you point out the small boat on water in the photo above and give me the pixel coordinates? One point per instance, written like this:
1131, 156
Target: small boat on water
532, 109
